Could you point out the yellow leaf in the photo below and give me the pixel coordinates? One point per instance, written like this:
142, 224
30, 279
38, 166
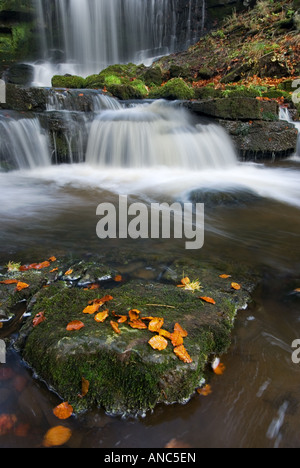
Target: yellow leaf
57, 436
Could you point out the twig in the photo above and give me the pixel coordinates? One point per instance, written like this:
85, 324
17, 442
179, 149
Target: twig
160, 305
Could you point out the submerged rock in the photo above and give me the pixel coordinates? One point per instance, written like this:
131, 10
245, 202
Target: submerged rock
125, 374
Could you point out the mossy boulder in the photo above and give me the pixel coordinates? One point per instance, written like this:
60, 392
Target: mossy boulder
237, 108
174, 89
125, 374
68, 81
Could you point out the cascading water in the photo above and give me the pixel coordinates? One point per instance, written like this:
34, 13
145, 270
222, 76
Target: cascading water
157, 135
23, 143
285, 115
93, 34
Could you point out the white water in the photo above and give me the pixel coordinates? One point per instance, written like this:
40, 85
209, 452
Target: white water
152, 151
285, 115
158, 134
97, 33
24, 143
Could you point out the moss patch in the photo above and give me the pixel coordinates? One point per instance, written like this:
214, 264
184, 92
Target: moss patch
126, 375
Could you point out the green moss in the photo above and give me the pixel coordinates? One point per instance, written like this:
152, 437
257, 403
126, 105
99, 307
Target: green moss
125, 91
94, 82
68, 81
174, 89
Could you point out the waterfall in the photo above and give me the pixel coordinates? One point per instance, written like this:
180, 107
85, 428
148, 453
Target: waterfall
285, 115
157, 134
23, 143
93, 34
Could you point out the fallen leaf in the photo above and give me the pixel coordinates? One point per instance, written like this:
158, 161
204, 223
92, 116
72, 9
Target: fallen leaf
182, 332
176, 338
85, 386
92, 309
208, 299
220, 369
156, 324
138, 324
165, 333
134, 314
9, 282
297, 290
42, 265
158, 342
39, 318
225, 276
54, 269
115, 327
69, 272
7, 422
122, 319
182, 354
75, 325
118, 279
63, 411
204, 391
21, 286
235, 286
52, 259
57, 436
101, 316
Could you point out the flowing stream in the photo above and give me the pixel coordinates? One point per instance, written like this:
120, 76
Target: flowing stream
156, 152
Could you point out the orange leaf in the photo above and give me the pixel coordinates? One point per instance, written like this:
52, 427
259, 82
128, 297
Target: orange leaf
225, 276
158, 342
122, 319
85, 386
182, 332
69, 272
118, 278
75, 325
208, 299
156, 324
182, 354
176, 338
39, 318
21, 286
7, 422
235, 286
134, 314
115, 327
92, 309
139, 324
101, 316
63, 411
205, 391
165, 333
52, 259
57, 436
220, 369
54, 269
42, 265
185, 281
9, 282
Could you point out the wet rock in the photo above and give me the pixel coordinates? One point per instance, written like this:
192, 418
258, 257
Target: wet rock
126, 375
241, 108
262, 140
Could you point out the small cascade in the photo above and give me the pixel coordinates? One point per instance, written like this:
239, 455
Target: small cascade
285, 115
157, 134
23, 143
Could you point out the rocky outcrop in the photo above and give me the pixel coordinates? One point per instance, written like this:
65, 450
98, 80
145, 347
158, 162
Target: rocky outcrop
125, 374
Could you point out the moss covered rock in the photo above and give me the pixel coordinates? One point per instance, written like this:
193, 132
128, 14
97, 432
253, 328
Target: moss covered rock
68, 81
174, 89
125, 373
